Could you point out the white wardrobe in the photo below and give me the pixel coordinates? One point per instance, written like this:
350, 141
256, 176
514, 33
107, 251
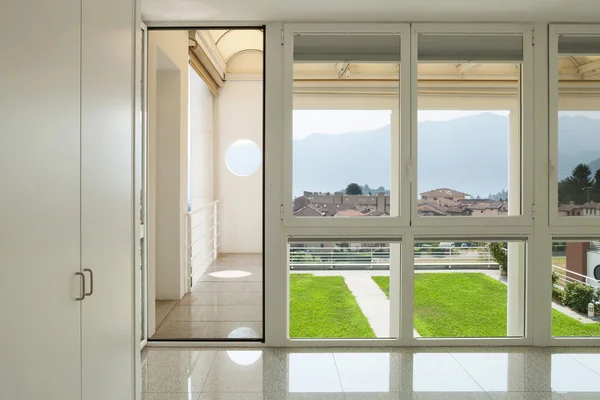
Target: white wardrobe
67, 202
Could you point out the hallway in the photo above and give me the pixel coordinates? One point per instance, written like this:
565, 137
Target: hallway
225, 302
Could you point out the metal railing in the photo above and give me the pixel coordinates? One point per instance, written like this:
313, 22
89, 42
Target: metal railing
202, 239
566, 276
366, 258
467, 256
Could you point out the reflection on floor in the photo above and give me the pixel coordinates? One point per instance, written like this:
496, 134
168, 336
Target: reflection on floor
225, 302
371, 373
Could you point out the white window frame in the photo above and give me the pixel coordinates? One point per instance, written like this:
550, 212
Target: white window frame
403, 219
398, 297
526, 339
584, 235
555, 31
527, 125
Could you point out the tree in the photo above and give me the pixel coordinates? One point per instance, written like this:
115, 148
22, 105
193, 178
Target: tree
581, 175
595, 192
353, 188
575, 188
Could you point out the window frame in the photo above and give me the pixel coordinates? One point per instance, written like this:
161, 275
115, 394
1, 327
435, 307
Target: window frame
554, 32
403, 200
526, 131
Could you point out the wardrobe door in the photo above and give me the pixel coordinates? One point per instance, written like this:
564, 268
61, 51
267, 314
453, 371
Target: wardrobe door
107, 198
39, 200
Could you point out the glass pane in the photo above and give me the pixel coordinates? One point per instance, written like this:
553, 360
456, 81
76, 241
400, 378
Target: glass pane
341, 290
578, 127
469, 128
346, 125
209, 276
468, 289
576, 288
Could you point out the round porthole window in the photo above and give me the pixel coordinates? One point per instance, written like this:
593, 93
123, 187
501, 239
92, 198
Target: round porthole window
243, 157
597, 272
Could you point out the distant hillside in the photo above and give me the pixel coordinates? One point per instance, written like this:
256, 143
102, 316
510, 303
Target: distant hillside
327, 162
594, 166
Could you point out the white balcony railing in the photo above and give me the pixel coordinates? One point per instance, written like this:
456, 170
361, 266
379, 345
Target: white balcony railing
366, 258
565, 276
202, 239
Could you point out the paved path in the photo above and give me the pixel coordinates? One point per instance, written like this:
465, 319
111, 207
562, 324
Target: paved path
372, 301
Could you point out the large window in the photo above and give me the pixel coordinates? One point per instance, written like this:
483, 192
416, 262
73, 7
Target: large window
403, 124
343, 289
345, 129
577, 126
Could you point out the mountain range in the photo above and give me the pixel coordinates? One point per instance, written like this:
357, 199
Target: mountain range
469, 154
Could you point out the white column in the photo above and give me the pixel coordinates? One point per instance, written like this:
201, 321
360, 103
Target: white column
394, 209
516, 250
168, 130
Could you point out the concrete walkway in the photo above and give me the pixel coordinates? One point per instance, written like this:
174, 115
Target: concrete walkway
372, 301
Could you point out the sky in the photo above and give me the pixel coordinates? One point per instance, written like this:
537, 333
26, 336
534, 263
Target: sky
344, 121
307, 122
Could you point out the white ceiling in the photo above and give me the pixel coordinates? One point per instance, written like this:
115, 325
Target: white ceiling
371, 10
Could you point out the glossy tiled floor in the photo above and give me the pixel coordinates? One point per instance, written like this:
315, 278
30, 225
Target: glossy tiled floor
225, 302
344, 374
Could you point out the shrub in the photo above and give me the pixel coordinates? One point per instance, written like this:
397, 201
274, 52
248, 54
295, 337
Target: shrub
557, 294
577, 296
497, 251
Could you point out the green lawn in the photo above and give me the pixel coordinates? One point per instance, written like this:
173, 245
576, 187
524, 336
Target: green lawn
471, 305
563, 325
324, 307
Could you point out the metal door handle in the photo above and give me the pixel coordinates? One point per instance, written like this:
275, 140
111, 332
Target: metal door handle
91, 282
82, 288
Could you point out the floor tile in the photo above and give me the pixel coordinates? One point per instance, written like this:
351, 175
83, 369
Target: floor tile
580, 396
231, 396
178, 370
367, 372
172, 396
304, 396
170, 330
162, 309
237, 330
381, 396
524, 396
592, 361
182, 314
568, 375
440, 372
245, 371
253, 287
313, 373
452, 396
493, 371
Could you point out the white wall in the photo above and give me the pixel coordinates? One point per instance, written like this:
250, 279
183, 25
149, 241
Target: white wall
201, 132
167, 191
238, 115
593, 259
201, 172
